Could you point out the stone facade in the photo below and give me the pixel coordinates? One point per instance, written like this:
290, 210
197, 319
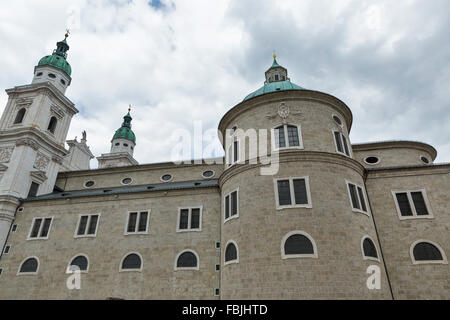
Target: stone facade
335, 269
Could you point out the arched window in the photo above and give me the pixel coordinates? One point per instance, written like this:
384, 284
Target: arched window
30, 265
131, 262
368, 248
298, 244
187, 260
81, 261
52, 124
20, 115
424, 251
231, 252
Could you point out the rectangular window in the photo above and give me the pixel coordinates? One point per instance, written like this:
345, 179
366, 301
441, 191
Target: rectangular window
233, 153
357, 197
33, 189
292, 193
7, 249
14, 228
341, 143
137, 222
87, 226
412, 204
189, 219
286, 136
231, 205
40, 228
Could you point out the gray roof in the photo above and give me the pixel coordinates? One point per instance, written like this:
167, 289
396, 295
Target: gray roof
127, 189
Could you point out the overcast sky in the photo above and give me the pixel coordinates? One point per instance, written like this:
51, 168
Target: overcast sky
178, 62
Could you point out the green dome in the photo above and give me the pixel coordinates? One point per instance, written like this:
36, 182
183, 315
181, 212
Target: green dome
125, 132
56, 61
58, 57
274, 87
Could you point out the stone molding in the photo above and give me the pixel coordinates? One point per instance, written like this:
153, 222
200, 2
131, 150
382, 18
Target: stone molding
27, 142
38, 176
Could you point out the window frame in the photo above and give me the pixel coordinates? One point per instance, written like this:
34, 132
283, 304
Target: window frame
28, 273
238, 159
236, 261
368, 212
286, 136
292, 192
176, 268
430, 214
127, 220
376, 249
231, 217
8, 246
40, 228
340, 119
350, 155
85, 235
199, 229
284, 256
417, 262
76, 256
166, 174
54, 127
131, 270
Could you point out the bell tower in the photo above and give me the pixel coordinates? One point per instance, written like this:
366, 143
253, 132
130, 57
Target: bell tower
33, 130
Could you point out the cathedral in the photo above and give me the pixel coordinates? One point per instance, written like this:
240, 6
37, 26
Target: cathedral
293, 210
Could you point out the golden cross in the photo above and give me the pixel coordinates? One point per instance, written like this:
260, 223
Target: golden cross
67, 33
274, 54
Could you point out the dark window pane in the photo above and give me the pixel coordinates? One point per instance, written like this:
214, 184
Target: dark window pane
344, 140
46, 227
298, 244
293, 136
81, 262
30, 265
280, 140
362, 200
424, 251
369, 248
337, 138
19, 116
143, 222
132, 222
33, 189
187, 260
234, 203
37, 225
184, 217
230, 253
419, 203
403, 203
52, 125
195, 218
284, 193
93, 224
82, 226
227, 207
352, 189
301, 196
132, 261
276, 77
236, 151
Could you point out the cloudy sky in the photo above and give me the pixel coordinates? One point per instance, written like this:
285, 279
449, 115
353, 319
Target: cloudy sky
180, 62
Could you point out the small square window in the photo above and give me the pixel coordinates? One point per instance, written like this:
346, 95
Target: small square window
217, 245
14, 228
292, 193
189, 219
217, 267
217, 292
7, 249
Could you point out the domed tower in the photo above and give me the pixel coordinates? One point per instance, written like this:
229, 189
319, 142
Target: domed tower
303, 229
54, 68
122, 146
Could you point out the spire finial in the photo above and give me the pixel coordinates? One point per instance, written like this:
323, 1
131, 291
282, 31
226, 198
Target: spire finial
67, 33
129, 108
274, 55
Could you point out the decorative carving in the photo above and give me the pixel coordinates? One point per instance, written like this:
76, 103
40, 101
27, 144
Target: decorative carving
38, 176
57, 159
59, 112
23, 101
3, 168
283, 112
27, 142
84, 135
5, 154
41, 162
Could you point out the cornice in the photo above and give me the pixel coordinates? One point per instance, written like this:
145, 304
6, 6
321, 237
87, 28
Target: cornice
405, 171
382, 145
296, 156
46, 87
284, 96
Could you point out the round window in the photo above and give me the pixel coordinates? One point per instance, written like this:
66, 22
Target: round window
372, 160
89, 184
117, 144
208, 174
127, 181
63, 82
51, 75
125, 144
337, 120
39, 74
425, 160
166, 177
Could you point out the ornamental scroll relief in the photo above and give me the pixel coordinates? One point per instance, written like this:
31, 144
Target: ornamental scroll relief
41, 162
5, 154
284, 111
